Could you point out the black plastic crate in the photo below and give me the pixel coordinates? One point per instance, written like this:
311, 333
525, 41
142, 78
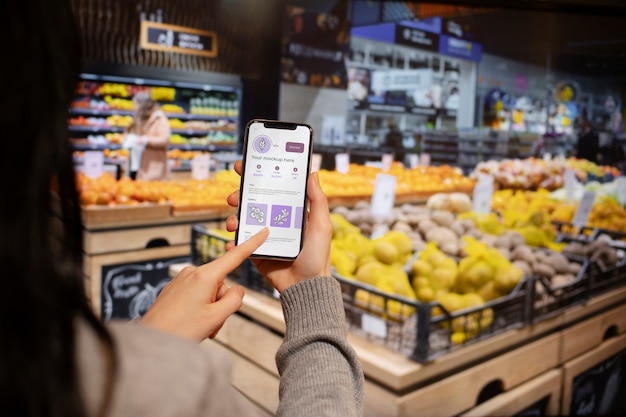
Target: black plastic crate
207, 246
591, 281
410, 327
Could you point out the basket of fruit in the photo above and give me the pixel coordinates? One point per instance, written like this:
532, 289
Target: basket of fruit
209, 244
425, 302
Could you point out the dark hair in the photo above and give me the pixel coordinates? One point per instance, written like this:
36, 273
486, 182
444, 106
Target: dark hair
43, 295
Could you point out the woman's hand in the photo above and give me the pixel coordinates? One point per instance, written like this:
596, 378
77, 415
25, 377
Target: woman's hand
314, 259
196, 303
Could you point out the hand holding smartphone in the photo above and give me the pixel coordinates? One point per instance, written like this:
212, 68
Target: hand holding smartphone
273, 189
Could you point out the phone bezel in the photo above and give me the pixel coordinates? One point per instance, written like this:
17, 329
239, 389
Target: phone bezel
281, 125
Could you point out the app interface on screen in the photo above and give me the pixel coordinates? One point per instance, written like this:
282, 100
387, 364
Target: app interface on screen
274, 188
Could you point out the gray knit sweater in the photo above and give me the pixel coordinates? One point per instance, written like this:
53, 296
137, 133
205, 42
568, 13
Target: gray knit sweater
161, 376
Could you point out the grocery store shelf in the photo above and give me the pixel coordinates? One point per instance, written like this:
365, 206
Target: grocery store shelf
95, 146
115, 112
182, 146
95, 129
201, 132
209, 147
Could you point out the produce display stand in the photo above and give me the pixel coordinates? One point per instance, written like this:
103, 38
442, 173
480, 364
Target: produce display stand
524, 366
127, 250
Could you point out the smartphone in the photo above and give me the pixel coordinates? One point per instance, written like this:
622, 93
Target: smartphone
273, 190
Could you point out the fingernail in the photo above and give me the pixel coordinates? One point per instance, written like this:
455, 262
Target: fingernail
316, 178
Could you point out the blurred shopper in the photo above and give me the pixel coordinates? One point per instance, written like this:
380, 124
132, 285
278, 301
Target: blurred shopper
394, 140
587, 146
148, 137
58, 359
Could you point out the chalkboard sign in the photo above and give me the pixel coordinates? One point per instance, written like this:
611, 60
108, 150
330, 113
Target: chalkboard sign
128, 290
171, 38
601, 390
537, 409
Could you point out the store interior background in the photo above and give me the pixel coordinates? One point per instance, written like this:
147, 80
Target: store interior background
305, 61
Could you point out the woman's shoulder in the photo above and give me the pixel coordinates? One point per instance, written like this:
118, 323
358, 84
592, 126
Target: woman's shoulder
154, 369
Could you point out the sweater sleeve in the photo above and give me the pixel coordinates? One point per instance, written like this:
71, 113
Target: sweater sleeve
320, 372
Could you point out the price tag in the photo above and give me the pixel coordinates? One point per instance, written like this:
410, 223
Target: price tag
374, 325
93, 164
547, 157
386, 162
384, 196
316, 162
483, 192
584, 208
342, 163
425, 160
621, 190
200, 167
414, 160
570, 184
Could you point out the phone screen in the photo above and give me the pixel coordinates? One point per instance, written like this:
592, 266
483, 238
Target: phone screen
273, 186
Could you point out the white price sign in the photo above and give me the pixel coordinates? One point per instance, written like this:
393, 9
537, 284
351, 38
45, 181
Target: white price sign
373, 325
483, 193
384, 196
570, 184
386, 162
547, 157
316, 162
93, 164
425, 160
584, 209
200, 167
342, 163
414, 160
621, 190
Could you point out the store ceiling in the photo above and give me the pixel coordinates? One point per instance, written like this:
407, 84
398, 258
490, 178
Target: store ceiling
589, 45
584, 37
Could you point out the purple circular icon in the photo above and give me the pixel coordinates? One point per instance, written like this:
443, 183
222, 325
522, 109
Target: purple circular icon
262, 144
276, 167
295, 170
258, 166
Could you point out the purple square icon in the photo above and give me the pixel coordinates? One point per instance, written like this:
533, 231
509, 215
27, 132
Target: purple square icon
298, 219
281, 216
257, 214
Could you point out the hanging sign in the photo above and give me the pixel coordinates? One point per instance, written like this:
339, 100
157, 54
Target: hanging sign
181, 39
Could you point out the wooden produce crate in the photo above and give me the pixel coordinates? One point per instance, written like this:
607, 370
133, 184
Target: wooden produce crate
595, 383
395, 386
541, 396
111, 215
592, 332
416, 330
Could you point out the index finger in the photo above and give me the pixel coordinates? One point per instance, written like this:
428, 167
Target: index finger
235, 256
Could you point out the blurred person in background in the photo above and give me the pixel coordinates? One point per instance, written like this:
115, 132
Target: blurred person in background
147, 138
588, 143
58, 358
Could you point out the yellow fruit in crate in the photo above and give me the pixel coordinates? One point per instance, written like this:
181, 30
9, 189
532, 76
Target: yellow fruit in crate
458, 338
451, 302
386, 252
370, 273
343, 263
400, 240
425, 294
479, 273
420, 268
507, 278
488, 292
